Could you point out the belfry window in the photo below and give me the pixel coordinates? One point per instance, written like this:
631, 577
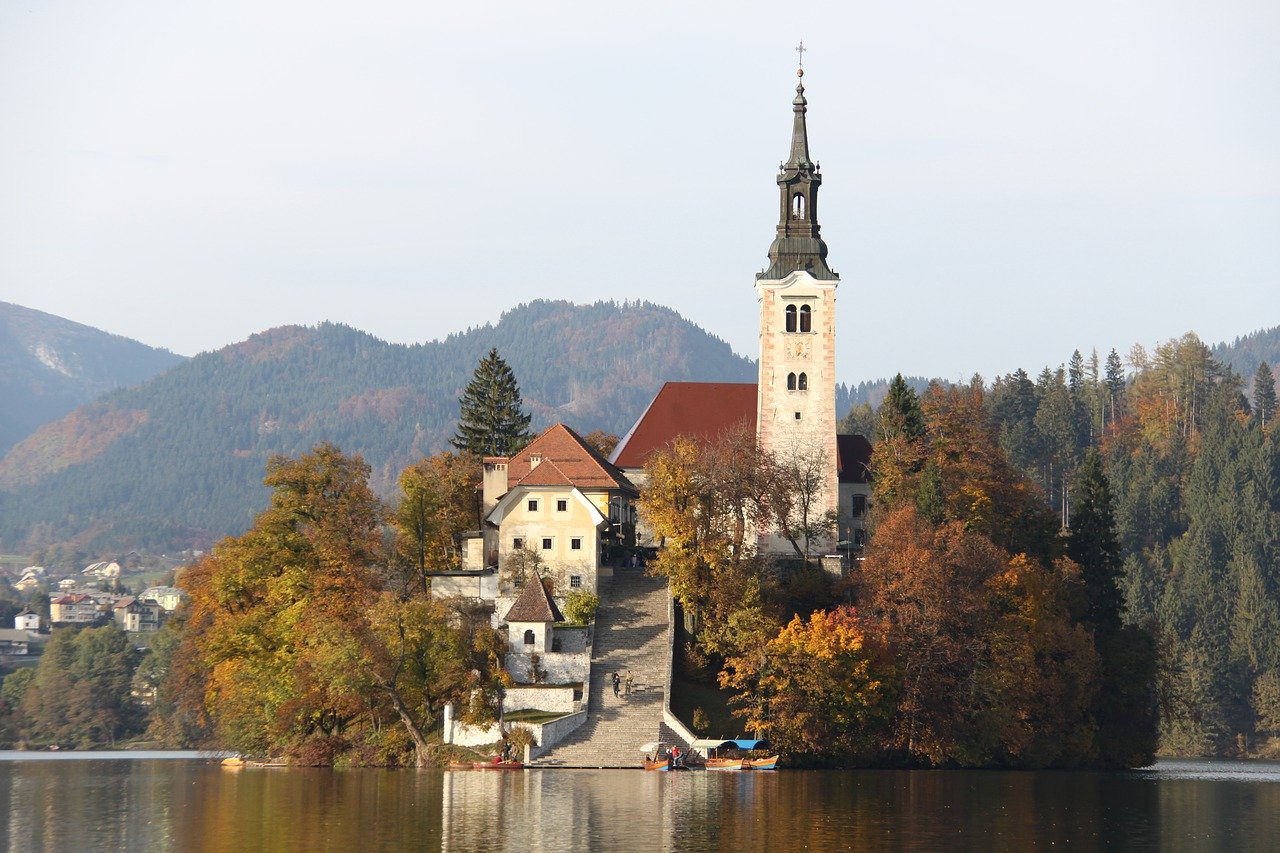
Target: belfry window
804, 382
797, 206
791, 382
791, 318
806, 318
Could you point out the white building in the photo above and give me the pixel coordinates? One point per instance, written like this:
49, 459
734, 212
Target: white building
27, 620
168, 597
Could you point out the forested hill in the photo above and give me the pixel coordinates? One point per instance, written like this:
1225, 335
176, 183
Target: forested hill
180, 458
49, 365
1245, 353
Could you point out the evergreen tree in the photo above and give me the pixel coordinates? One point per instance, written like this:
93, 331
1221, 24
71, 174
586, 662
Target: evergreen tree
900, 413
1075, 373
1094, 545
1264, 394
1115, 384
493, 421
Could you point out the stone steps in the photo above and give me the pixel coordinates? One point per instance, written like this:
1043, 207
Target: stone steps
630, 635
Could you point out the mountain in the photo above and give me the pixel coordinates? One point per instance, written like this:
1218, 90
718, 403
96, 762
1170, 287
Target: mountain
1245, 353
179, 459
49, 365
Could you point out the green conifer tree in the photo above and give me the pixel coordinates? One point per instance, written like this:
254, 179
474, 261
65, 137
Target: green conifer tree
1264, 394
900, 413
1115, 383
1094, 545
493, 421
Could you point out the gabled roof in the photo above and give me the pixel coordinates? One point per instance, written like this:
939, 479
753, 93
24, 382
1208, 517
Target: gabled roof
564, 459
853, 461
534, 605
125, 602
695, 410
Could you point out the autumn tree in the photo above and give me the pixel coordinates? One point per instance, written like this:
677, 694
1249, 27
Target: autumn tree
602, 442
302, 646
801, 479
823, 686
438, 504
492, 421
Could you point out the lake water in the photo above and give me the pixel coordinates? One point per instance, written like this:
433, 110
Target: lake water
178, 801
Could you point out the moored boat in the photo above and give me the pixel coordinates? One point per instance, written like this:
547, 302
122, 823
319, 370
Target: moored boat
724, 764
767, 763
497, 765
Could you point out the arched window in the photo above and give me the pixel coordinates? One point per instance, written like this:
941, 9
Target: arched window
797, 206
804, 382
791, 318
791, 381
528, 638
806, 318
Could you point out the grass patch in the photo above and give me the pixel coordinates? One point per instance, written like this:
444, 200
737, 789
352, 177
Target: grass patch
687, 695
530, 715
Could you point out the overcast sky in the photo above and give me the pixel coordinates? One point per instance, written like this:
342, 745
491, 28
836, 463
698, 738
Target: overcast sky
1003, 181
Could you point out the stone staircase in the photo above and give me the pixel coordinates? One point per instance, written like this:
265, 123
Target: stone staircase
630, 634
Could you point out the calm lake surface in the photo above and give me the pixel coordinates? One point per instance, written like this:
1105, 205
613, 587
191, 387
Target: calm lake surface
179, 801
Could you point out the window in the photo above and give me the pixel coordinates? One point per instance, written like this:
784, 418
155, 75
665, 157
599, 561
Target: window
806, 318
791, 318
517, 543
555, 644
575, 581
858, 507
546, 543
804, 382
562, 506
533, 506
575, 544
528, 638
791, 382
859, 537
797, 206
797, 416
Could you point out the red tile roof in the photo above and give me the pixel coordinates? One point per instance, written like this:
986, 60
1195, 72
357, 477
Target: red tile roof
534, 605
697, 410
853, 454
564, 459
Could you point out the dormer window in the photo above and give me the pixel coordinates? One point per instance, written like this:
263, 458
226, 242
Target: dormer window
534, 462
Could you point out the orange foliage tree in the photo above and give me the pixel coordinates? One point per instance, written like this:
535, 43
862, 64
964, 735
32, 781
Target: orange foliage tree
822, 686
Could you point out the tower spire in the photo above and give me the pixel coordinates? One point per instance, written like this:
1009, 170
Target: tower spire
798, 245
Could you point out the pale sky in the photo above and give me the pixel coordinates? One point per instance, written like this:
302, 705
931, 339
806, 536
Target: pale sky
1003, 181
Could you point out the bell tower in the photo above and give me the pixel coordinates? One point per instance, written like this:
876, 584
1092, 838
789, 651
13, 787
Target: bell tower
796, 407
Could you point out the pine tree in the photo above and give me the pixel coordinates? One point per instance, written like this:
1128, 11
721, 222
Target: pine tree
492, 421
1094, 545
1264, 394
1115, 384
900, 413
1075, 373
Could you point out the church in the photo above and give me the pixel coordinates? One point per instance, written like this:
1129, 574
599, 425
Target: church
792, 406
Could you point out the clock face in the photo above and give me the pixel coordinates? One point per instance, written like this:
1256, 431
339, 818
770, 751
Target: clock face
800, 349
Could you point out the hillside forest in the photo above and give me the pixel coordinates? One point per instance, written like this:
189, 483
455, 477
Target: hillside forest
1190, 451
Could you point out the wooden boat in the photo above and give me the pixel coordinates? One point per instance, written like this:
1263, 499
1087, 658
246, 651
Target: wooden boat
767, 763
233, 761
497, 765
724, 763
459, 765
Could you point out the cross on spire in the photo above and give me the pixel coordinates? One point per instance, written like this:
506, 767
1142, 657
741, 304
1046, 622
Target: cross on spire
800, 49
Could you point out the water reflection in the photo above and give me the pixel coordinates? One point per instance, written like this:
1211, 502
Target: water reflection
197, 805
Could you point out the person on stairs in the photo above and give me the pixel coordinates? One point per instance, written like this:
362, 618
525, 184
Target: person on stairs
617, 683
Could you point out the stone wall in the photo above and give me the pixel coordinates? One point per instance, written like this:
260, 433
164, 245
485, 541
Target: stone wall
539, 698
549, 734
561, 667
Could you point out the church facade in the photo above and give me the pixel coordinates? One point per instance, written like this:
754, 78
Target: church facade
792, 406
